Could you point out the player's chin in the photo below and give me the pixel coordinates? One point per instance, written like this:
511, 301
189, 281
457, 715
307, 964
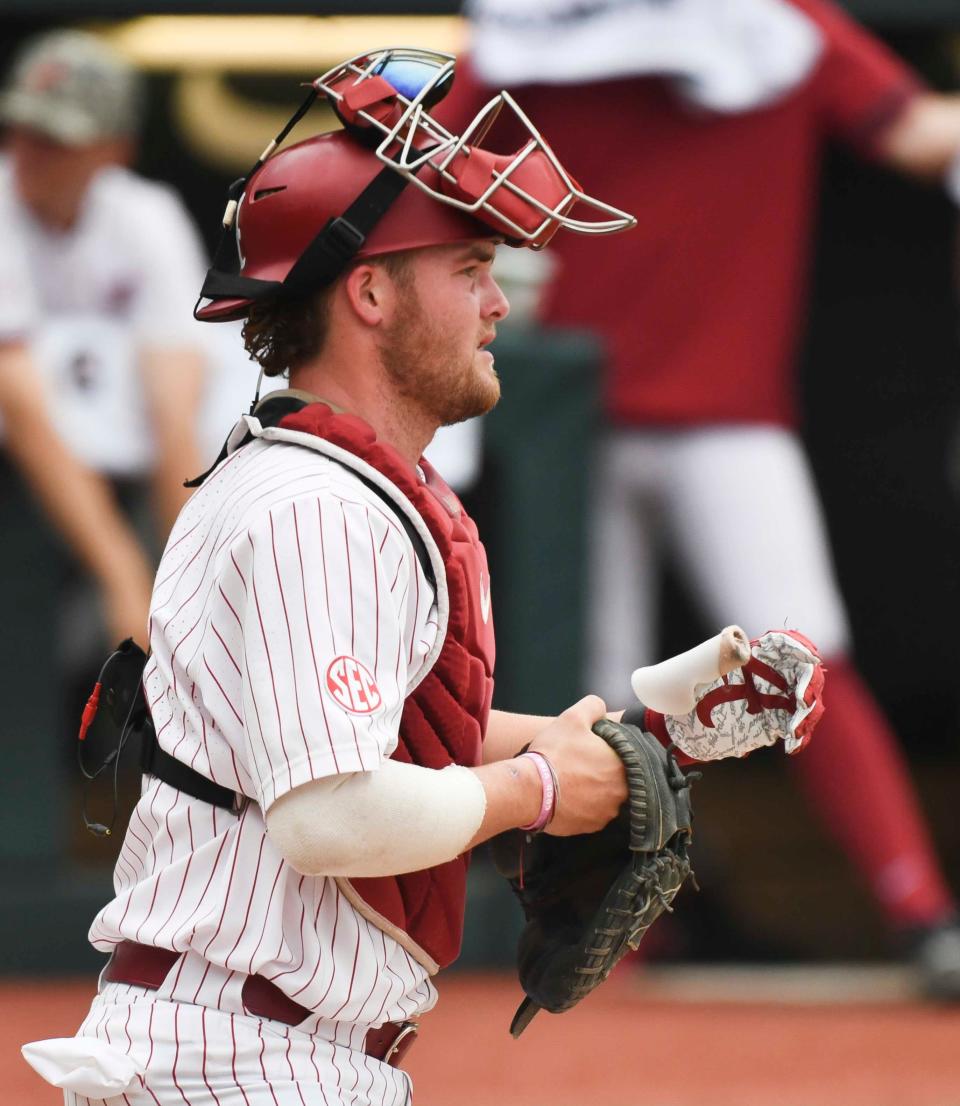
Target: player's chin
488, 382
481, 396
468, 407
484, 366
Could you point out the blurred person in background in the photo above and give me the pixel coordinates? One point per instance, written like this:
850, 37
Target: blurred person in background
713, 119
100, 370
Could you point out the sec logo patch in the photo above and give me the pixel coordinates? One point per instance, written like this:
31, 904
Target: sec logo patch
351, 685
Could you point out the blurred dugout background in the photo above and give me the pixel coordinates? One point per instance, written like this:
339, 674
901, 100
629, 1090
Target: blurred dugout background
881, 390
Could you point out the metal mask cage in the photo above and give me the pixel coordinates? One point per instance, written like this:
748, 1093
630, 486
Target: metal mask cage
415, 139
414, 120
382, 98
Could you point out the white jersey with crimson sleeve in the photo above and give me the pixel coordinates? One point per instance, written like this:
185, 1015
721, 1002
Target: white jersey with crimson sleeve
290, 619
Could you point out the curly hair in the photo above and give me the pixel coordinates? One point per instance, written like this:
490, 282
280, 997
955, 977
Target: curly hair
280, 335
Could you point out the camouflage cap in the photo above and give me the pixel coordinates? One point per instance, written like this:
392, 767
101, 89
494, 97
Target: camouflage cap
73, 87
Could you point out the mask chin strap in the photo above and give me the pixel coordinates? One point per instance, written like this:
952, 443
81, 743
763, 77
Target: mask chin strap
324, 259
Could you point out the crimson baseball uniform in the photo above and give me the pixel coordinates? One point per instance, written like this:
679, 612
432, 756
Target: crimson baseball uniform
295, 634
699, 310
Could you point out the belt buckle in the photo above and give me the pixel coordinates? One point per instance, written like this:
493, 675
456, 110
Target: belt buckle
406, 1032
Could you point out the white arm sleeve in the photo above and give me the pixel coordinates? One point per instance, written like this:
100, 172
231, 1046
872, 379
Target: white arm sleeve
398, 818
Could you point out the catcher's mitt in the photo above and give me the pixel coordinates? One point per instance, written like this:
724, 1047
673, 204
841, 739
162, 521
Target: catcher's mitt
589, 898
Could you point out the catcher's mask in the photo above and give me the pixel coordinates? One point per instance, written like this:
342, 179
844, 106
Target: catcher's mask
299, 217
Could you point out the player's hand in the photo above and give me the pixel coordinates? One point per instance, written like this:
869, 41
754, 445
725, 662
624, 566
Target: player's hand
126, 605
593, 785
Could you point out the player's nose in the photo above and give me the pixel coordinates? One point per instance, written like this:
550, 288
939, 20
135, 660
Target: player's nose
496, 306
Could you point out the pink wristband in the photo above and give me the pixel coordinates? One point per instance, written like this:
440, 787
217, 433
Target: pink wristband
548, 800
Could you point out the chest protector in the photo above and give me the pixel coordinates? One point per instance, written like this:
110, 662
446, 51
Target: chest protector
445, 715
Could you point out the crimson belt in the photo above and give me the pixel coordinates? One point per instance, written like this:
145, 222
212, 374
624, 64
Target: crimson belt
148, 966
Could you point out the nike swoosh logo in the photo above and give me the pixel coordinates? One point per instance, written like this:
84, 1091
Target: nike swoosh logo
484, 598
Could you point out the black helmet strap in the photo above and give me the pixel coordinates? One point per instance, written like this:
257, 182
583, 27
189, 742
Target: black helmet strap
324, 259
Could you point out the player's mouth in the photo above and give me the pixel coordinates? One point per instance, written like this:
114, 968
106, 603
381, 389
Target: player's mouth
485, 354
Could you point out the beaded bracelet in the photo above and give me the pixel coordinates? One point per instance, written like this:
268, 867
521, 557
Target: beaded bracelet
549, 796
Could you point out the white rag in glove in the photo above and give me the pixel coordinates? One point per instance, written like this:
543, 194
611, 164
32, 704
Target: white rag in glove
776, 696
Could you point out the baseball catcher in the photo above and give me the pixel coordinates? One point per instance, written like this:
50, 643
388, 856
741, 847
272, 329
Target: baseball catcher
590, 898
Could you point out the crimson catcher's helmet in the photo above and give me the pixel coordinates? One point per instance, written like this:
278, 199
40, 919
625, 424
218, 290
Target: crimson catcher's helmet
300, 216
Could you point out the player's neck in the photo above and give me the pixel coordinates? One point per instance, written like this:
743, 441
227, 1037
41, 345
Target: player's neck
396, 418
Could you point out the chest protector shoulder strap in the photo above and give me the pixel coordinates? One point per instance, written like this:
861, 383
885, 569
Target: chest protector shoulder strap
445, 715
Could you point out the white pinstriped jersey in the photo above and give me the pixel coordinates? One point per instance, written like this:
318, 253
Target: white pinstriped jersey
282, 564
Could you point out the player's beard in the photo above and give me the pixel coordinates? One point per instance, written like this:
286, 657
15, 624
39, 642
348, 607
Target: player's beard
428, 365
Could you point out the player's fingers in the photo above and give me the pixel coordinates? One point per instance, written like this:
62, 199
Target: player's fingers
587, 711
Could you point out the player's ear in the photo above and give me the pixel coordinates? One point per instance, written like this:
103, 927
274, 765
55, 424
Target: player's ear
369, 293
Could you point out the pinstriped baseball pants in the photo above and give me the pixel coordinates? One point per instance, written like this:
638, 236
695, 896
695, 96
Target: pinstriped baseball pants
195, 1055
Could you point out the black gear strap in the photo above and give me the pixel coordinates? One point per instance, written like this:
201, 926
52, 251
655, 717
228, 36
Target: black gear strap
342, 238
119, 708
324, 259
155, 762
